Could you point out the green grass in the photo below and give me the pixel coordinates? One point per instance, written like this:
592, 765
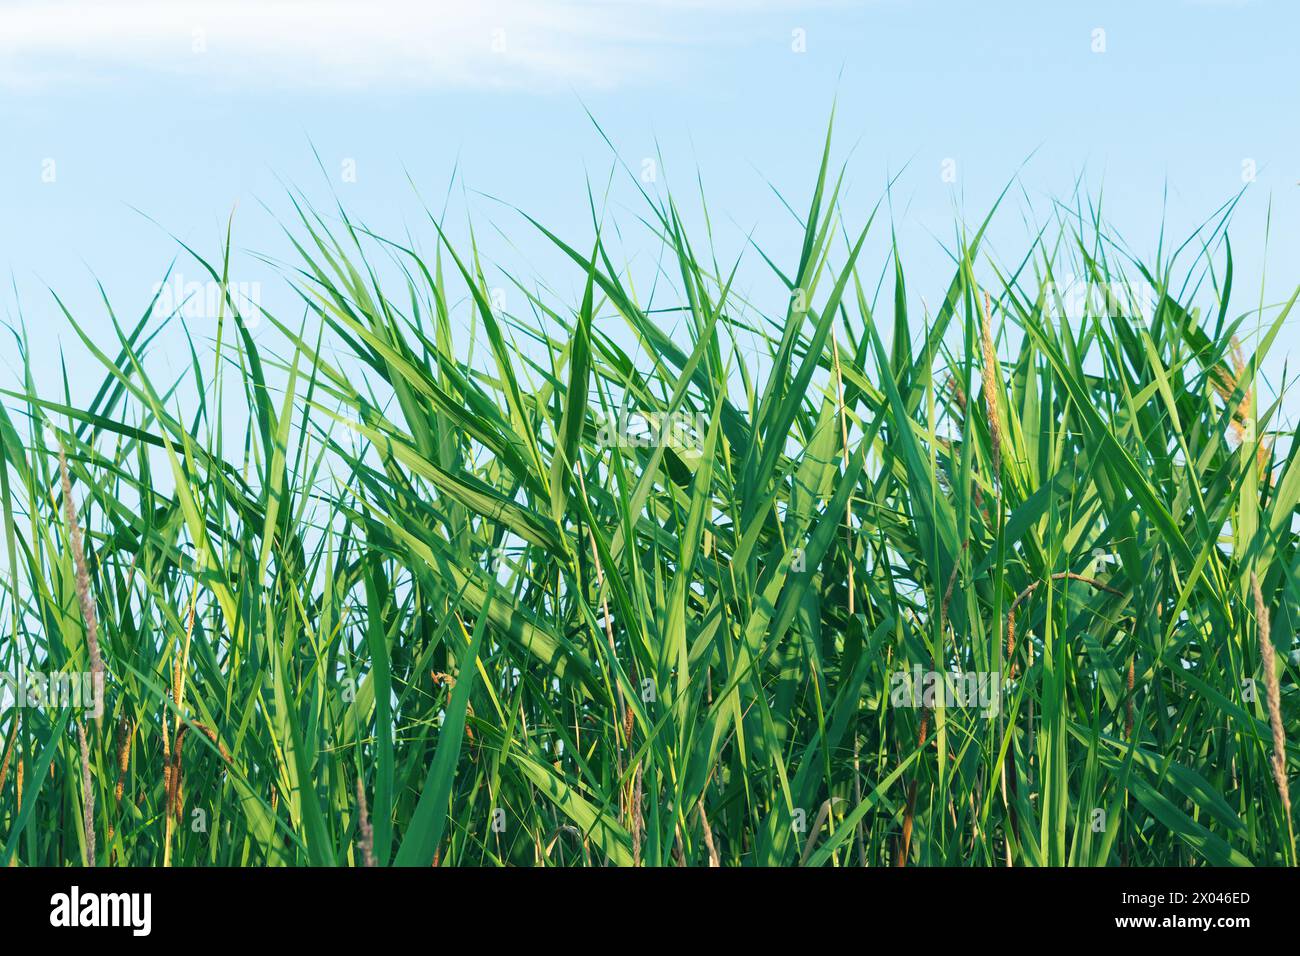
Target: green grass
384, 541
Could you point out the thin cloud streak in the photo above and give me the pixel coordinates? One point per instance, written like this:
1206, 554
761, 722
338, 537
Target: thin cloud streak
332, 44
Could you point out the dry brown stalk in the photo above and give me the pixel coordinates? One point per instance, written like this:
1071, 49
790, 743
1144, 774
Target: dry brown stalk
87, 796
125, 728
9, 752
174, 794
905, 841
167, 789
810, 844
1268, 659
988, 388
714, 860
1011, 639
167, 758
1128, 707
1226, 383
174, 775
366, 840
1058, 576
212, 735
959, 396
638, 821
84, 599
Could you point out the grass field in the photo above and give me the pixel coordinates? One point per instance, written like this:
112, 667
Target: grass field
420, 581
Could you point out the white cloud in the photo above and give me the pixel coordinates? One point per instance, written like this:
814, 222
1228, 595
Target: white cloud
333, 44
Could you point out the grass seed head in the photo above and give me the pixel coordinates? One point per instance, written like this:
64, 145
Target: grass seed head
87, 795
84, 598
990, 356
1273, 693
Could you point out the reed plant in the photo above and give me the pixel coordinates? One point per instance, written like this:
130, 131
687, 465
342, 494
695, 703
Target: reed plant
424, 604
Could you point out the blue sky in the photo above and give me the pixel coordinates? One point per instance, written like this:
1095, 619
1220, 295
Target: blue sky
125, 121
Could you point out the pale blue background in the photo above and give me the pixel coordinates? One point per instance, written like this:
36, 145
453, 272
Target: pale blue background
136, 120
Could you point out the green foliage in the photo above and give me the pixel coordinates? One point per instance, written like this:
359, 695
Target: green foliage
425, 565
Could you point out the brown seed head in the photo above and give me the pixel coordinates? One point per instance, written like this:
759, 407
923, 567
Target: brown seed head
87, 796
990, 356
366, 839
1268, 658
84, 599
